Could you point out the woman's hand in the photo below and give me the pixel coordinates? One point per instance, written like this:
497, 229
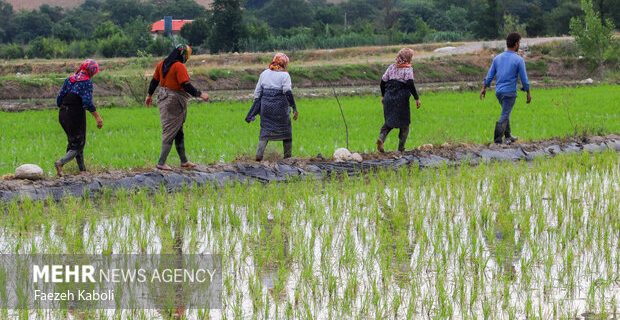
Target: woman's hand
204, 96
418, 104
148, 101
295, 115
98, 119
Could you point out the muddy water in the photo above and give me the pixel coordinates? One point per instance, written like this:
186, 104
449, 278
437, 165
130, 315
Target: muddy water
538, 245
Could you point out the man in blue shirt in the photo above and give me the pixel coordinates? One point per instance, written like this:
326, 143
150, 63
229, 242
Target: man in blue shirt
506, 68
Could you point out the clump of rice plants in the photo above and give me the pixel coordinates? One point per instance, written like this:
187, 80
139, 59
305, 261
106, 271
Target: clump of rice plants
504, 240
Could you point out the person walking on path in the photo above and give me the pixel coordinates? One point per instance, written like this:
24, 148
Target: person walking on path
74, 98
273, 101
506, 68
397, 85
174, 94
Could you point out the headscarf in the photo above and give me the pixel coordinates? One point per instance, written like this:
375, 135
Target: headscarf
87, 70
403, 60
279, 62
180, 54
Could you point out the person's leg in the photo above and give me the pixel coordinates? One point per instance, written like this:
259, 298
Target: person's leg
385, 130
79, 157
163, 156
288, 148
260, 151
71, 128
508, 134
402, 138
507, 101
179, 142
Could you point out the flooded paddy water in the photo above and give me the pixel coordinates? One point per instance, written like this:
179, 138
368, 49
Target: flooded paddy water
497, 241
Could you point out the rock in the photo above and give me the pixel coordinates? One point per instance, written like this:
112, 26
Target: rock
425, 147
444, 49
445, 145
587, 81
29, 171
342, 155
357, 157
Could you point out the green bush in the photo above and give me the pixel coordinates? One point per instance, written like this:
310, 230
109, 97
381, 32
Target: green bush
47, 48
11, 51
116, 46
82, 49
160, 46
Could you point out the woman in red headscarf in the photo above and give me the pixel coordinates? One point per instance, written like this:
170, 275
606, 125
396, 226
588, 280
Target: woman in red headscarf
74, 98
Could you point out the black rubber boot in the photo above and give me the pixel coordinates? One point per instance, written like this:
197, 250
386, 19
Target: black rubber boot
68, 157
288, 148
500, 128
402, 138
260, 150
507, 134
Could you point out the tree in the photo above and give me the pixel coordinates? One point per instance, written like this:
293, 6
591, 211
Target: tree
593, 36
227, 26
511, 24
286, 14
180, 9
64, 31
6, 13
197, 32
32, 24
106, 30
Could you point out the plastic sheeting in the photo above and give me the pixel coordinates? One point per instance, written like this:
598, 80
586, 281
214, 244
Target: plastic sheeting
285, 171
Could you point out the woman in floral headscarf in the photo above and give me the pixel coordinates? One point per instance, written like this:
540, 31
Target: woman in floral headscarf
273, 100
396, 87
175, 90
74, 98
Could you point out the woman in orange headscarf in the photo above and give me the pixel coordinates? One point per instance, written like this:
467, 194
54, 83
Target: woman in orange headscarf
273, 101
174, 94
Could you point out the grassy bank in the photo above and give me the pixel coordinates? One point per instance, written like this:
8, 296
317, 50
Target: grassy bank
536, 241
217, 132
309, 68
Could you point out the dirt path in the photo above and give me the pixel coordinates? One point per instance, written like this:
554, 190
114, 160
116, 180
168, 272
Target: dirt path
476, 46
247, 171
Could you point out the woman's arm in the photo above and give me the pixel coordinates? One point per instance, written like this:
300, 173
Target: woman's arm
382, 86
189, 88
62, 93
412, 89
98, 119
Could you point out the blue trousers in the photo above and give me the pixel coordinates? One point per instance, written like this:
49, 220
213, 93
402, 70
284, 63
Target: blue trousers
507, 101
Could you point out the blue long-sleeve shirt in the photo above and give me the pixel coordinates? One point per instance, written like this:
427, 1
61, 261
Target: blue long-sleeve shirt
83, 89
506, 67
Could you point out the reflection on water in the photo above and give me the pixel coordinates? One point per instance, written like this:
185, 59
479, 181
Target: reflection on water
526, 246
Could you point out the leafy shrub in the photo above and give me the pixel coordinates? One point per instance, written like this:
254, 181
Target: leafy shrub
47, 48
11, 51
116, 46
82, 49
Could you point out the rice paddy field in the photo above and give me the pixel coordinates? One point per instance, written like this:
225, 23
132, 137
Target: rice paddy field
536, 240
217, 132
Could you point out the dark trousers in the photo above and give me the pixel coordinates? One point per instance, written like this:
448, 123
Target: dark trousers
179, 143
72, 118
507, 101
402, 135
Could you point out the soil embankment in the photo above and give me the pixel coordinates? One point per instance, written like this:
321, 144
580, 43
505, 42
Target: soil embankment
246, 171
349, 67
